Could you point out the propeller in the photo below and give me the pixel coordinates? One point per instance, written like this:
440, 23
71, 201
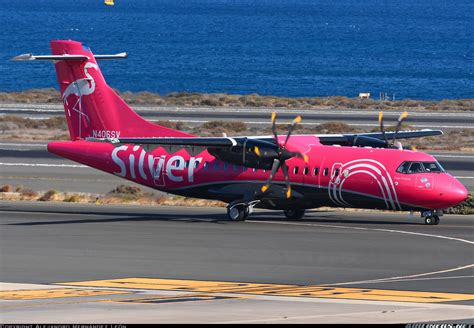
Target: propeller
280, 155
400, 120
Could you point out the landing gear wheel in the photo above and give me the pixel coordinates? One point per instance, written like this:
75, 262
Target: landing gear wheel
432, 220
294, 214
238, 212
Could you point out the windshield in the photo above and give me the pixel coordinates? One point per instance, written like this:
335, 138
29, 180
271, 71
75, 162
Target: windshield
419, 167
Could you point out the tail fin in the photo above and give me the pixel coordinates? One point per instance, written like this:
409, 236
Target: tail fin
93, 109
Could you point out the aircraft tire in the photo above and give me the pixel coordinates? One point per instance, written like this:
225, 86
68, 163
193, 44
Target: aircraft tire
432, 220
294, 214
238, 213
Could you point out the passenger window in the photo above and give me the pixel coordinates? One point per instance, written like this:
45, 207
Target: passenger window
415, 167
225, 166
295, 170
403, 168
216, 165
316, 171
306, 170
326, 171
336, 172
206, 165
186, 164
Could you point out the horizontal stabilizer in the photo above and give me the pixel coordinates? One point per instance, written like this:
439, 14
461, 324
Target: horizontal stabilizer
29, 57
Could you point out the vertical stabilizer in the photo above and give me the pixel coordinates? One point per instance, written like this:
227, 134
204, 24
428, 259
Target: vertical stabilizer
92, 108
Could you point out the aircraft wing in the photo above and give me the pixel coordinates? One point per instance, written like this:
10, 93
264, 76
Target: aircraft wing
375, 139
218, 142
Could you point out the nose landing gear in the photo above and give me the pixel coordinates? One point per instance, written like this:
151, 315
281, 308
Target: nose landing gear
432, 220
431, 217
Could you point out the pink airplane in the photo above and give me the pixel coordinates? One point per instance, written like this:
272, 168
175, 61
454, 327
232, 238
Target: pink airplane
292, 173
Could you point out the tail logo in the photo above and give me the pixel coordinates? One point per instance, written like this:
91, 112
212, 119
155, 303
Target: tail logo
80, 88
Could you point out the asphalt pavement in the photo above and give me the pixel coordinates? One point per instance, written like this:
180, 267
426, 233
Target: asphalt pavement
329, 267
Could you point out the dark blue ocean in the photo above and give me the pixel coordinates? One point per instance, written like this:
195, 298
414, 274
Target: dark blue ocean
420, 49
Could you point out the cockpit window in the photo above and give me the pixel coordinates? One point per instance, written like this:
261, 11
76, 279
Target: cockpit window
415, 167
403, 168
432, 167
419, 167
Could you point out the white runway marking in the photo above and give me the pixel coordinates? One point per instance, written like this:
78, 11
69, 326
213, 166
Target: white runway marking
422, 279
367, 229
44, 165
57, 108
401, 278
452, 156
388, 279
21, 144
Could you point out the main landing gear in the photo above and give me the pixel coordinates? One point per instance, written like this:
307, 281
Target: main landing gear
431, 217
240, 211
294, 214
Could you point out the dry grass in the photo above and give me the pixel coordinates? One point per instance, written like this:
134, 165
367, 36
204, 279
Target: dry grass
9, 122
253, 100
122, 194
466, 207
34, 96
14, 128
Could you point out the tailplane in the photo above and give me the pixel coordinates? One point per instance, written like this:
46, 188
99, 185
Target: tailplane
92, 108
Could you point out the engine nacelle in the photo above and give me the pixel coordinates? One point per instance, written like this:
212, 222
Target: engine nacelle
250, 153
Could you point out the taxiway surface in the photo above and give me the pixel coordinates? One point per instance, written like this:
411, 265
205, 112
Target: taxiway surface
369, 263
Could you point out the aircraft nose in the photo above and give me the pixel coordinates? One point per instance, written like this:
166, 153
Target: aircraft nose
457, 193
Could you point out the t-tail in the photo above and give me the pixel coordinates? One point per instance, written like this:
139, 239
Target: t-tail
92, 108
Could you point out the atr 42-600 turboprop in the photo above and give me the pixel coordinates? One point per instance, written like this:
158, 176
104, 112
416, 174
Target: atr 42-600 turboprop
292, 173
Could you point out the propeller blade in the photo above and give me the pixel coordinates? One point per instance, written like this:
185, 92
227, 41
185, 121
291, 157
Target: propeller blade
401, 118
276, 165
275, 135
382, 129
257, 151
288, 192
284, 169
291, 128
289, 154
305, 158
